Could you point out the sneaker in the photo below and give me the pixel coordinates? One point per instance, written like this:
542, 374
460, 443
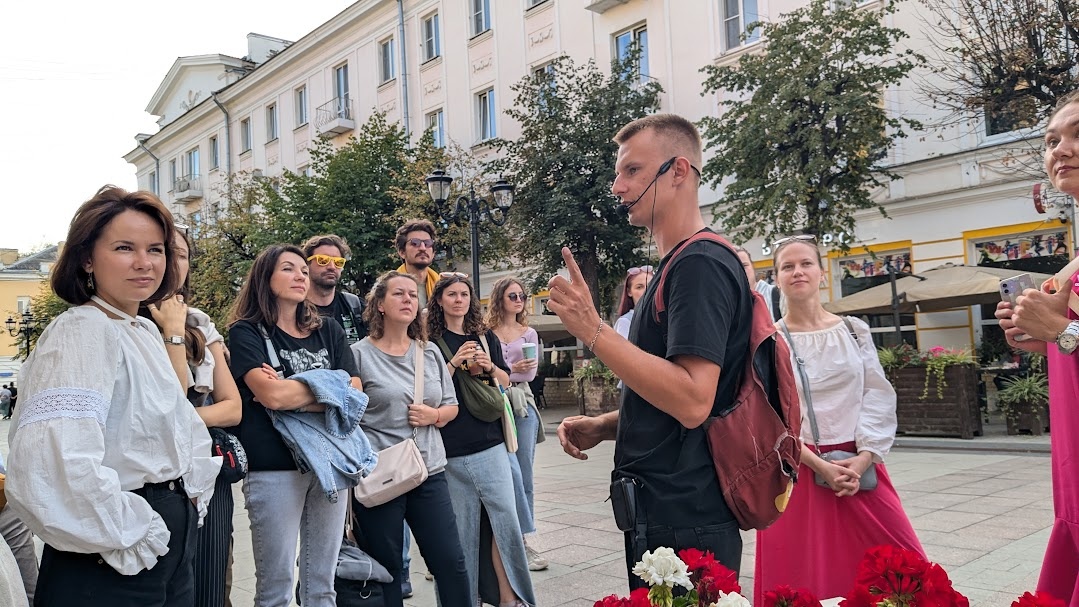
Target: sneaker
406, 589
535, 561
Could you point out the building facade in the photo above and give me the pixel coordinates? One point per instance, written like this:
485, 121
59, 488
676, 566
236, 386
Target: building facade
448, 65
20, 280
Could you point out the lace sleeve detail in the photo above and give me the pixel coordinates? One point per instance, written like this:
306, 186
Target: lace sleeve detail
70, 403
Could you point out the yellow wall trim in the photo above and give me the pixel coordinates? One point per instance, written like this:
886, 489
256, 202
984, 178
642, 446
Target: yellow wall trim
898, 245
1016, 229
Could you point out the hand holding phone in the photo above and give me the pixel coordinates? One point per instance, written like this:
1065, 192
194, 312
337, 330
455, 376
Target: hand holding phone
1012, 288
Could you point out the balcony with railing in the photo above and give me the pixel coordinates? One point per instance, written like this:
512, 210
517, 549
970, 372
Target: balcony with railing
187, 188
335, 116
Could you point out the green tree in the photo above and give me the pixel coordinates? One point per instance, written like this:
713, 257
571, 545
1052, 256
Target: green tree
803, 134
563, 166
45, 306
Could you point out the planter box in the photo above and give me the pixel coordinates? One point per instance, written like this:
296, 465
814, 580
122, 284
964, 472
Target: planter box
560, 392
595, 397
956, 414
1028, 419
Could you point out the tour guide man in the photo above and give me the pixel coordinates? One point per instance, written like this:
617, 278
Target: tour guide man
677, 370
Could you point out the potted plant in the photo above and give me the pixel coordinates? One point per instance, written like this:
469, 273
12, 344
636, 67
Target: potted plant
936, 391
597, 388
1024, 402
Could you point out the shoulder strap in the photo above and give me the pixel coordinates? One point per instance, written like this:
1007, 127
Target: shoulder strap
441, 343
485, 345
776, 312
659, 305
271, 352
800, 363
354, 303
417, 394
850, 328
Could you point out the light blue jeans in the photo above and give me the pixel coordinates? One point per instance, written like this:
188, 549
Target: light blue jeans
521, 467
282, 504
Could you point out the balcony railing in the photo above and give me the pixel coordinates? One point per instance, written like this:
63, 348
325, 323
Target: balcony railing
187, 188
335, 116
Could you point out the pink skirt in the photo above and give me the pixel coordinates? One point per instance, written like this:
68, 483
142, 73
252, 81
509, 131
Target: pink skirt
819, 540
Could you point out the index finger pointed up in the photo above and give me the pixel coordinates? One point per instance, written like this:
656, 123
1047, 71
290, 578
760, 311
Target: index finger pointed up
575, 275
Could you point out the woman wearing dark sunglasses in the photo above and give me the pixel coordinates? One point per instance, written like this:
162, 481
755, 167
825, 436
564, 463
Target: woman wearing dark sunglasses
633, 287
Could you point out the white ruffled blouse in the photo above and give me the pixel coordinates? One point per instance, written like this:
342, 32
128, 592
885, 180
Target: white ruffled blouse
102, 414
852, 398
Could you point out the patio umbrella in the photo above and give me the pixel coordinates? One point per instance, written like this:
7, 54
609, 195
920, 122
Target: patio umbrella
944, 287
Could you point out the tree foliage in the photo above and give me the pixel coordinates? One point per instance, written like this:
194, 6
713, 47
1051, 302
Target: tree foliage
45, 306
803, 134
563, 166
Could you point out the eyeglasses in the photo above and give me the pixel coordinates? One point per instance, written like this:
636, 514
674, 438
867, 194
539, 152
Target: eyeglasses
422, 243
636, 271
808, 238
324, 260
452, 275
517, 297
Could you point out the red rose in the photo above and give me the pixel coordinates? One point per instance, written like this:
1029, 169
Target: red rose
785, 596
611, 601
695, 559
638, 598
1038, 599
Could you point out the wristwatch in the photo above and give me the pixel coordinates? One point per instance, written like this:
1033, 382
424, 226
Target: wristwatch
1068, 340
175, 340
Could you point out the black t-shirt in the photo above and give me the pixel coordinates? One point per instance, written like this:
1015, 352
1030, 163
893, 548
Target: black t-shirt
466, 435
326, 348
339, 310
709, 313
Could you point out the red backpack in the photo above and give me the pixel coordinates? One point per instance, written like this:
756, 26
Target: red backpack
755, 443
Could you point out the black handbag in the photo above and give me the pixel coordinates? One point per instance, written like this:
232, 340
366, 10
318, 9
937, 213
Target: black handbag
233, 456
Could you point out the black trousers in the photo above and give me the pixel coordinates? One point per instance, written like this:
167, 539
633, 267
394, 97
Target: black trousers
70, 578
212, 546
380, 533
723, 540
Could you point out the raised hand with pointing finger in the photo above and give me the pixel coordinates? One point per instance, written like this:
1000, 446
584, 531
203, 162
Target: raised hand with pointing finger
571, 300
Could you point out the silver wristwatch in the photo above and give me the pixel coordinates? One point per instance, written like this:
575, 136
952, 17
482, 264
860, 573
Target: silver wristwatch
175, 340
1068, 340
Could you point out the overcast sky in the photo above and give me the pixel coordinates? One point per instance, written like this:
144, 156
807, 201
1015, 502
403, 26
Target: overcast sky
75, 79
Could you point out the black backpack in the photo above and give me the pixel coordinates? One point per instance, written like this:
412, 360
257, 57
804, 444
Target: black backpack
356, 305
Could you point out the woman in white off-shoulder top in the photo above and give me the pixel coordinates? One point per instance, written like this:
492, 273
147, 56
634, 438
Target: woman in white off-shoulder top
827, 527
109, 463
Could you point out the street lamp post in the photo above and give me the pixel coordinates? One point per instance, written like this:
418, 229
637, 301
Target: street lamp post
476, 209
25, 328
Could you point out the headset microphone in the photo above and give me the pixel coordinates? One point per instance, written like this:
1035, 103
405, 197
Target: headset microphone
663, 168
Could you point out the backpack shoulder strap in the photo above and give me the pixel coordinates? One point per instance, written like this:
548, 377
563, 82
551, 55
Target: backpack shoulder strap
354, 303
776, 312
660, 305
850, 328
271, 352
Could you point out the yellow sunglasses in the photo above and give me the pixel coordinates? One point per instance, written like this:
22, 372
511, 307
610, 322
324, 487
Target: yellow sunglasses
324, 260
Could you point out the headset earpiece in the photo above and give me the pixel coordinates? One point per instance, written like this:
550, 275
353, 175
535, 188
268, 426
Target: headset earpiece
666, 166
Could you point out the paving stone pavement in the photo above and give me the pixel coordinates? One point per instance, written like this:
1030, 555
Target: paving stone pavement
985, 517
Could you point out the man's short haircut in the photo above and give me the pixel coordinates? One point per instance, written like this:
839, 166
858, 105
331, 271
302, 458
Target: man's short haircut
683, 132
332, 240
413, 225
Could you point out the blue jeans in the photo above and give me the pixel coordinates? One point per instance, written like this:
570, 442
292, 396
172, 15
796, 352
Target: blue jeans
282, 504
521, 464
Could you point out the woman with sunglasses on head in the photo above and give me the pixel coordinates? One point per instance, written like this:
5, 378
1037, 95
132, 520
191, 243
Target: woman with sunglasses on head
272, 316
477, 466
110, 465
204, 375
387, 365
848, 406
632, 290
507, 318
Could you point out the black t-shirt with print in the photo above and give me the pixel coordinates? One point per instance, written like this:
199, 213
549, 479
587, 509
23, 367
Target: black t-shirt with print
339, 310
709, 313
325, 348
466, 435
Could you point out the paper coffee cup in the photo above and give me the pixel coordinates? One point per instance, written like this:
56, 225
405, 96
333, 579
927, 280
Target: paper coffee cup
529, 351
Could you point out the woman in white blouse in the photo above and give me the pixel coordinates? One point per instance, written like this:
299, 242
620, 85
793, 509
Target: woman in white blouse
109, 463
831, 519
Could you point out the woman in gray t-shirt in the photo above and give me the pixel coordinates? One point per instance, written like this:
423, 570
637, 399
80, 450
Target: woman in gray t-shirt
386, 360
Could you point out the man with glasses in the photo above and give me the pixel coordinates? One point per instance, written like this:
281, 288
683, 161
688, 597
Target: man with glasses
416, 246
678, 366
326, 257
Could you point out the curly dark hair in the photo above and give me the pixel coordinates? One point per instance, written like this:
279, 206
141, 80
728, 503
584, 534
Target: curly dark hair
376, 327
436, 318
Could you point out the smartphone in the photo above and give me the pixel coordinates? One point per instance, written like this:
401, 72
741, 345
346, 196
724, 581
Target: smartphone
1011, 288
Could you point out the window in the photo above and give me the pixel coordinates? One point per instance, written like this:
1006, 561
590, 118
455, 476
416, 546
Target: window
437, 126
531, 3
626, 42
737, 14
191, 164
271, 122
215, 153
306, 171
486, 115
172, 174
22, 304
481, 16
301, 106
431, 45
153, 182
1009, 113
861, 273
546, 75
245, 135
385, 59
340, 83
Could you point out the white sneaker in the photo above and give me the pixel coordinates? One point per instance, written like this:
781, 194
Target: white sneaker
535, 561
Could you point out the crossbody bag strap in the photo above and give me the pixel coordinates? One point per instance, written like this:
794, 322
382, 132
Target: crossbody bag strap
800, 363
417, 386
850, 328
271, 352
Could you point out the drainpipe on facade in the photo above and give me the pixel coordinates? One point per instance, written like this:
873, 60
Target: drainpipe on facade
228, 145
404, 69
141, 139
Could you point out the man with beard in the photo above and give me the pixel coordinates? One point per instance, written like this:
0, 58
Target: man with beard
326, 256
416, 246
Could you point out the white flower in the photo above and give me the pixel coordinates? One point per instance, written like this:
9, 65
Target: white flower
663, 568
731, 599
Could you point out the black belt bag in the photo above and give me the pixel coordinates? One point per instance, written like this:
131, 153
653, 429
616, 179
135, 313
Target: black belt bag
625, 501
